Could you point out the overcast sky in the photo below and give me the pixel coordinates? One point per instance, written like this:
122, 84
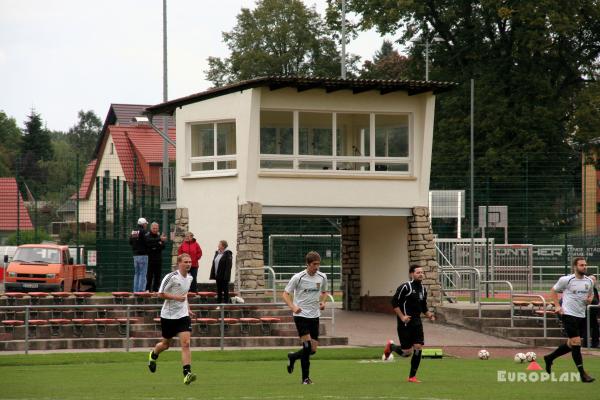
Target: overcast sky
62, 56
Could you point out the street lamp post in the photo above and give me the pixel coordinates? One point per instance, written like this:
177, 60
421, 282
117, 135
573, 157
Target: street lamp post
427, 45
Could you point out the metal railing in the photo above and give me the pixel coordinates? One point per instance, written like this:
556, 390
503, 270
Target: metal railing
134, 307
471, 276
589, 323
496, 303
544, 314
272, 280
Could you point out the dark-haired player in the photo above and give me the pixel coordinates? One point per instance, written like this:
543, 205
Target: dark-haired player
578, 292
409, 302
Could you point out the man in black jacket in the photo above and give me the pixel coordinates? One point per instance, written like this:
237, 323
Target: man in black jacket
155, 243
409, 302
137, 240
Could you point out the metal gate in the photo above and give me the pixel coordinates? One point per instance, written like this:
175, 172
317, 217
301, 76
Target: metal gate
505, 262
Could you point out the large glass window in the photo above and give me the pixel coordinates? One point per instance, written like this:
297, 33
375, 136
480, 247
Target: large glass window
276, 132
391, 135
353, 135
315, 133
213, 147
345, 142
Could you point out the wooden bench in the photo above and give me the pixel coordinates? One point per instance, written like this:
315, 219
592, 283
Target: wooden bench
245, 324
56, 325
266, 324
203, 324
79, 323
119, 297
103, 323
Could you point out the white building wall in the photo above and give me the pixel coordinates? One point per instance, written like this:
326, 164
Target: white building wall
110, 162
383, 254
212, 201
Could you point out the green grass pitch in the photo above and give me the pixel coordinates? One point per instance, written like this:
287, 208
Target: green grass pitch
354, 373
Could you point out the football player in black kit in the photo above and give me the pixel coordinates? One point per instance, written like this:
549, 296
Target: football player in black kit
409, 302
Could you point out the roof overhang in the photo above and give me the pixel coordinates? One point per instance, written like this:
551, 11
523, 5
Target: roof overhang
307, 83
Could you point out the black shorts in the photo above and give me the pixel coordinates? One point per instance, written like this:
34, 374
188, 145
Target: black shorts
573, 326
172, 327
307, 326
411, 333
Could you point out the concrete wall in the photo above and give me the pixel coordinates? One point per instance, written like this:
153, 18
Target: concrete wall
383, 260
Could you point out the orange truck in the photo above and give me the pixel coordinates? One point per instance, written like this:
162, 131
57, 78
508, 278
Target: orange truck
43, 267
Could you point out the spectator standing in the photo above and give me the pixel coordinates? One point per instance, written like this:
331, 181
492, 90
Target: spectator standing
155, 243
221, 271
190, 246
137, 240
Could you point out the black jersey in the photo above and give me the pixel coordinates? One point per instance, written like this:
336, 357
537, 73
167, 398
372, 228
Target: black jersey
411, 298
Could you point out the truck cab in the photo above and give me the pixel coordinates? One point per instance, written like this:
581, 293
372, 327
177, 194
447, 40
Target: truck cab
43, 267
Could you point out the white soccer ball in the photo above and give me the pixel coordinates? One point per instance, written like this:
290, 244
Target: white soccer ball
530, 356
520, 357
390, 358
483, 354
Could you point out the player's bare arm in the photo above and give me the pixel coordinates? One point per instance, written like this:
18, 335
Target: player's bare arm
288, 300
323, 300
554, 297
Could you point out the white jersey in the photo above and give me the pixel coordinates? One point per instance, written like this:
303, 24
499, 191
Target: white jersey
175, 283
307, 291
575, 294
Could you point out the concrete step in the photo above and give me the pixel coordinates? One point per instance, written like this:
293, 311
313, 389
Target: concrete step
521, 332
116, 343
477, 323
541, 341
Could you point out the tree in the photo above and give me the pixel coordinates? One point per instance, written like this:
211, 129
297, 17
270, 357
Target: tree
387, 64
10, 141
530, 61
84, 135
278, 37
36, 147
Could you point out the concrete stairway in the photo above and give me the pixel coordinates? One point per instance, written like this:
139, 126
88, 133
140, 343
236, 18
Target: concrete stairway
495, 321
144, 331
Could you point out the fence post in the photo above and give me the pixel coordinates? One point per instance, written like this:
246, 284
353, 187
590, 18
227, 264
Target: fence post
77, 207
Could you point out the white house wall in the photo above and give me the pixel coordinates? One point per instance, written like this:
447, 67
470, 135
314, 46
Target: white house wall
107, 161
402, 192
383, 254
212, 202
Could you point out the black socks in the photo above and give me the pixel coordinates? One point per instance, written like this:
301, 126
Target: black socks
414, 362
577, 358
154, 355
187, 369
305, 359
560, 351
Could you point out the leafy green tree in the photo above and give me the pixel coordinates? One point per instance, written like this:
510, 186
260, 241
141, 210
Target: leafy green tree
387, 63
278, 37
530, 61
10, 141
83, 136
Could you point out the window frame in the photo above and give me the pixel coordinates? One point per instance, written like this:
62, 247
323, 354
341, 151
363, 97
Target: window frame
214, 158
296, 158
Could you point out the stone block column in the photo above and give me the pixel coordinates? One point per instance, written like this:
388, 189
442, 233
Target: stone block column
351, 282
182, 225
250, 258
421, 250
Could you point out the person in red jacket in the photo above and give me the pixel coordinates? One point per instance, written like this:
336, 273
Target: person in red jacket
191, 247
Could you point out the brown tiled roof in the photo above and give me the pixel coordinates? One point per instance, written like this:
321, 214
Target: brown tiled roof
306, 83
87, 184
10, 202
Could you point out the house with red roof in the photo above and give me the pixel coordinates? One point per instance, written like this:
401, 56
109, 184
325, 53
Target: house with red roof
13, 213
127, 150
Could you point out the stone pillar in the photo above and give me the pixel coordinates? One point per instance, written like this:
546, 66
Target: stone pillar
351, 263
421, 250
182, 225
249, 258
